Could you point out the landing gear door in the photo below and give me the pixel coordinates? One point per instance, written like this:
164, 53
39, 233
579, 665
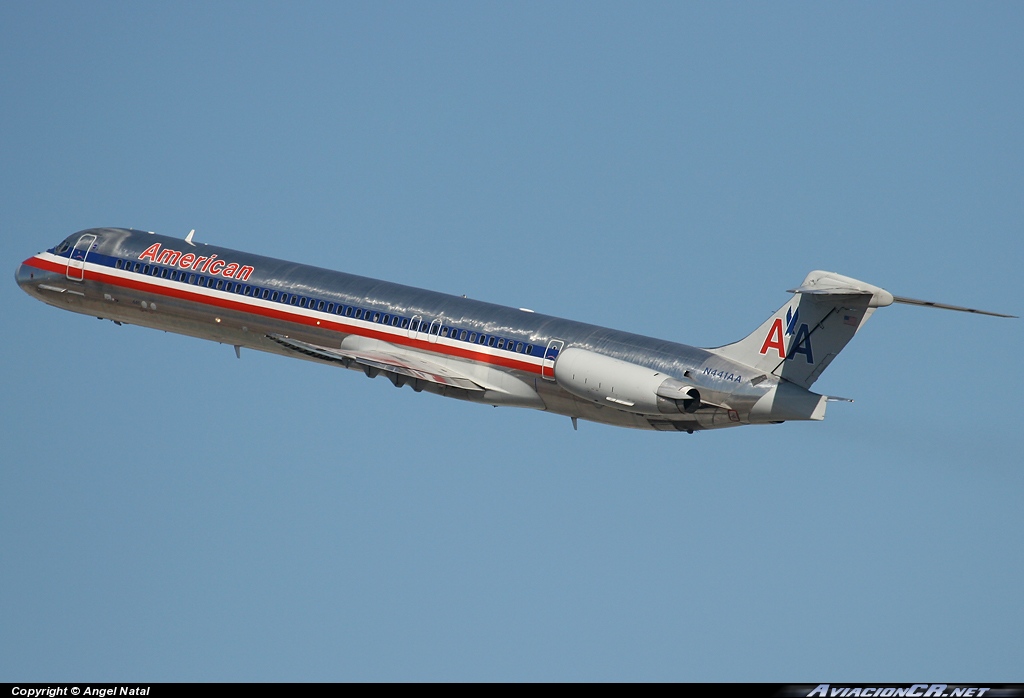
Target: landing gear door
547, 365
76, 262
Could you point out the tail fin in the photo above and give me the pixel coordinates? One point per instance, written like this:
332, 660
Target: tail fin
800, 340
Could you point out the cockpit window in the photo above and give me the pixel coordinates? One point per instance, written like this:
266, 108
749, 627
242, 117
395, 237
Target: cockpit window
63, 247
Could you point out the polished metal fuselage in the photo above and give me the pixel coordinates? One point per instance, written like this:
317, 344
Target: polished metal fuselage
94, 286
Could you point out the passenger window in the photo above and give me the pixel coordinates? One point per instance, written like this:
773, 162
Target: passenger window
209, 282
529, 349
138, 265
220, 284
405, 323
519, 347
482, 339
348, 311
320, 305
294, 300
191, 278
145, 269
491, 341
118, 264
501, 343
164, 273
472, 337
330, 307
444, 331
359, 313
228, 286
395, 320
155, 271
386, 319
273, 296
463, 335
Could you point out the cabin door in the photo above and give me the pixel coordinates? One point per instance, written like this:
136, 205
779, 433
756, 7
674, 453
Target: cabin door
547, 365
435, 330
76, 262
417, 328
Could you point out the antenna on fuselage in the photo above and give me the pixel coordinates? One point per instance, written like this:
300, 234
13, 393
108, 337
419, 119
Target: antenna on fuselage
188, 238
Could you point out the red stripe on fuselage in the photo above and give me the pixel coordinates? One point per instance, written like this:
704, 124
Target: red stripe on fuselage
294, 318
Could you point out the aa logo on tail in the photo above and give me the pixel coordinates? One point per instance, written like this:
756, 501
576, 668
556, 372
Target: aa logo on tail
800, 344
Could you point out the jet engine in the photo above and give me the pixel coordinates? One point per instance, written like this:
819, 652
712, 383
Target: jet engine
623, 385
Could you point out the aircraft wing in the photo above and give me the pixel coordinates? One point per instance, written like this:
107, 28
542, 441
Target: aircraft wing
387, 358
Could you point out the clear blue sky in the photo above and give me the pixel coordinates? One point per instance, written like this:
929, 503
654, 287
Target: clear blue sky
171, 513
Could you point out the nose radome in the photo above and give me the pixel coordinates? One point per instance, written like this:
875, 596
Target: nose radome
25, 276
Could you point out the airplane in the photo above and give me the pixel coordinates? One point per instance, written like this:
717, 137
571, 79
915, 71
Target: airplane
459, 347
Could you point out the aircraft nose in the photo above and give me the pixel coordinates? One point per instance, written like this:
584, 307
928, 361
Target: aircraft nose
25, 276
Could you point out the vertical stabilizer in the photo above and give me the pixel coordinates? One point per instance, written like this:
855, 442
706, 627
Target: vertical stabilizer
802, 337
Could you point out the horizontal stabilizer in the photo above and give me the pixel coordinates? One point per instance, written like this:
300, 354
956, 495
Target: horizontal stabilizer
945, 306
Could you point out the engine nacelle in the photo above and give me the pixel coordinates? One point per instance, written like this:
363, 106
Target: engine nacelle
622, 385
685, 397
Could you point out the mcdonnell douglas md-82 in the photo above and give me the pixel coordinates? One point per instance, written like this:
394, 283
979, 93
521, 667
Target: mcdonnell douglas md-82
458, 347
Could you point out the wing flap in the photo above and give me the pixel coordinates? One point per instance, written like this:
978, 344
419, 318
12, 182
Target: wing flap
392, 362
